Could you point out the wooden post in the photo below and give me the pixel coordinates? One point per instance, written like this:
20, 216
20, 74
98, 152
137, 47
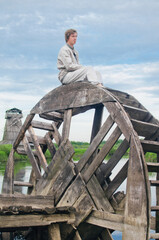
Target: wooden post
157, 199
9, 174
66, 124
54, 232
97, 121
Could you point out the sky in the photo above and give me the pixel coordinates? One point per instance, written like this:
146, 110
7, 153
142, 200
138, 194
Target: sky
119, 38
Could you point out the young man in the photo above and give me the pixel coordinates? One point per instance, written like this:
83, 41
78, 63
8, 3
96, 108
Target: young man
68, 63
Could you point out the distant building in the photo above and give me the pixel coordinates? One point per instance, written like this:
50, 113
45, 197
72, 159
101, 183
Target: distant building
12, 126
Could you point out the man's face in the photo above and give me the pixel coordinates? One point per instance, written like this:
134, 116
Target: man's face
72, 39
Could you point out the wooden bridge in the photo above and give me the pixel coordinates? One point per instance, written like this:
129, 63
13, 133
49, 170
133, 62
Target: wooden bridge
81, 201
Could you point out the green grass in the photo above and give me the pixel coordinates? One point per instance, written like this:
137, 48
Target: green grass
79, 147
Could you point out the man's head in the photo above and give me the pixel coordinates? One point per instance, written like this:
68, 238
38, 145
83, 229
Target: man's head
71, 36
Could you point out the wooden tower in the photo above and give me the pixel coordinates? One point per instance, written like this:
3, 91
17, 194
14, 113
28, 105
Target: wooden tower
85, 192
12, 126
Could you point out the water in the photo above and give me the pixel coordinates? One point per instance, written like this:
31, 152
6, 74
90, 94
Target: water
22, 173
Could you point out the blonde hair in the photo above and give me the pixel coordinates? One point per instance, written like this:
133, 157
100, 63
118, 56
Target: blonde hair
68, 33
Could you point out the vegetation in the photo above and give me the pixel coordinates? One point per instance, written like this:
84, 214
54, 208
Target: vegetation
79, 147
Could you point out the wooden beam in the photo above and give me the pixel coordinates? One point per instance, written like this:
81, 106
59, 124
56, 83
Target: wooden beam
150, 146
95, 143
116, 158
56, 135
102, 154
7, 200
50, 144
97, 121
23, 130
39, 151
33, 220
42, 125
31, 157
66, 124
117, 181
54, 231
9, 174
54, 116
106, 220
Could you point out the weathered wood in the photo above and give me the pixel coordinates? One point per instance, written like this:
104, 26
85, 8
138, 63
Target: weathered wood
154, 236
50, 145
32, 158
71, 96
73, 192
23, 184
106, 220
95, 143
59, 162
54, 232
157, 199
115, 158
23, 130
41, 139
29, 220
62, 181
9, 175
54, 116
150, 146
56, 135
98, 195
136, 113
42, 125
136, 214
77, 236
66, 124
38, 149
153, 167
120, 117
117, 181
144, 129
83, 206
26, 200
97, 121
102, 154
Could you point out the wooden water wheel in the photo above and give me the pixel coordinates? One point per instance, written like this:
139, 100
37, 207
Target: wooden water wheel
87, 186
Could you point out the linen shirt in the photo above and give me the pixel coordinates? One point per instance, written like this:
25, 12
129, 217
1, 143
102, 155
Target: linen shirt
67, 61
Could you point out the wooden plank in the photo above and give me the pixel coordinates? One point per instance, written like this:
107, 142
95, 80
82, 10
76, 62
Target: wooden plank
150, 146
97, 121
73, 192
23, 130
23, 184
42, 125
50, 144
95, 143
117, 181
102, 154
120, 117
115, 158
62, 181
31, 157
83, 206
41, 139
153, 167
72, 96
57, 165
54, 231
8, 179
39, 151
33, 220
56, 135
54, 116
66, 124
154, 236
136, 113
144, 129
137, 202
26, 200
157, 197
97, 194
106, 220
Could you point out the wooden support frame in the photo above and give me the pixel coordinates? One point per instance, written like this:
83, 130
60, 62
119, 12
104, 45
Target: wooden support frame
66, 124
